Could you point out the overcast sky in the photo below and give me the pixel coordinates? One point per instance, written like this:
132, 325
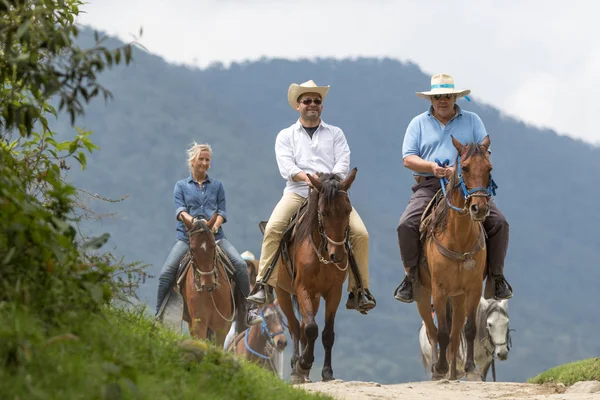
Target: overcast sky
536, 60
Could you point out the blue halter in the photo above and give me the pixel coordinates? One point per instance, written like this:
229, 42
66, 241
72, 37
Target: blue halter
265, 331
466, 192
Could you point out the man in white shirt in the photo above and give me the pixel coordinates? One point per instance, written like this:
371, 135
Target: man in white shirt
310, 146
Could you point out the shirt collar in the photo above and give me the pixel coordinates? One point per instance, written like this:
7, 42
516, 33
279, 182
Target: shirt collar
191, 179
298, 124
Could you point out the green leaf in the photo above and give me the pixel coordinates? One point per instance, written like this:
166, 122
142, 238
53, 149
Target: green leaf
22, 29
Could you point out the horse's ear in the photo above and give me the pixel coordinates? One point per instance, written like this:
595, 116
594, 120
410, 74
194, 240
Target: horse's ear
483, 302
504, 304
315, 182
346, 183
485, 143
458, 145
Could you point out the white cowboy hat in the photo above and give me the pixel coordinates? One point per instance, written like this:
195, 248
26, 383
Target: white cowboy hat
247, 255
443, 84
296, 91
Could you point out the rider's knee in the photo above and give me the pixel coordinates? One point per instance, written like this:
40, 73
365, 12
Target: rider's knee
275, 229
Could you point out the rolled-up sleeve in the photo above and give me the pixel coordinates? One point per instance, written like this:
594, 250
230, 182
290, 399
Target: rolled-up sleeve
179, 200
285, 156
341, 152
221, 203
410, 145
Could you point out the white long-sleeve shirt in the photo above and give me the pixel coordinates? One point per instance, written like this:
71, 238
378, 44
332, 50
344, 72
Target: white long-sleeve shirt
326, 152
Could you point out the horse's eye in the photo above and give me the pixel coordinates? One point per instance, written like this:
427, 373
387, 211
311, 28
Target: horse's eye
465, 169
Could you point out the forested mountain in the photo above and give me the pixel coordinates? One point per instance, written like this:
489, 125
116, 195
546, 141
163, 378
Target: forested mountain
546, 190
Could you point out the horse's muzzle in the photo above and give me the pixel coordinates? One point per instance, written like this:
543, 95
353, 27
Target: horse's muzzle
501, 352
281, 343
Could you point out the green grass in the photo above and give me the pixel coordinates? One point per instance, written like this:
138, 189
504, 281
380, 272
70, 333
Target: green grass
123, 356
568, 374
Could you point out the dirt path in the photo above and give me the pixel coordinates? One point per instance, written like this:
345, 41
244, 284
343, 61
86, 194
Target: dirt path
446, 390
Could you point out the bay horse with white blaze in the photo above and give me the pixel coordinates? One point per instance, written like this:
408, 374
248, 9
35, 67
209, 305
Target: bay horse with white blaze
319, 268
209, 302
455, 259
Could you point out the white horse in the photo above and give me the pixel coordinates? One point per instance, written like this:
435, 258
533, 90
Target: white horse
491, 341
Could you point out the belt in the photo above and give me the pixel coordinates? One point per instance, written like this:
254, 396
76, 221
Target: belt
420, 178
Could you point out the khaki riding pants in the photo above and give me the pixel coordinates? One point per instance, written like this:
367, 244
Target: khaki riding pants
278, 223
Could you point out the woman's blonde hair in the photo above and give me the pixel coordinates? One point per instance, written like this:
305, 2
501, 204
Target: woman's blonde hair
196, 148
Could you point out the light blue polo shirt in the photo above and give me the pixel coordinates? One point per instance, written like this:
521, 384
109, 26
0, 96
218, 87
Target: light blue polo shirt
426, 138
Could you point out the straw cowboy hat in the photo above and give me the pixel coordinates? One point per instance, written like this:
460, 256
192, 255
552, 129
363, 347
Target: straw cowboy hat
442, 84
247, 255
296, 91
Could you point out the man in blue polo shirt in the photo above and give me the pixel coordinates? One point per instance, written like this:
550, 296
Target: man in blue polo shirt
429, 136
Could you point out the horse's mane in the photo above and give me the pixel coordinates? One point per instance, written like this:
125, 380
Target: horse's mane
440, 218
329, 190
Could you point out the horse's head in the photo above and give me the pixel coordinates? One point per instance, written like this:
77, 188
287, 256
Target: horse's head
473, 176
497, 327
272, 325
334, 210
203, 249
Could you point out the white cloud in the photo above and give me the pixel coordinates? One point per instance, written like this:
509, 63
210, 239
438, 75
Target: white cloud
536, 60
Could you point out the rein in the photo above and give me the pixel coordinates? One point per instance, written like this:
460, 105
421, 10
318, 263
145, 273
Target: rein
324, 238
264, 330
466, 192
203, 228
468, 257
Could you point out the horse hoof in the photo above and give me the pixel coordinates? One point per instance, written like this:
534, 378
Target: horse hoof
437, 377
302, 371
296, 379
474, 377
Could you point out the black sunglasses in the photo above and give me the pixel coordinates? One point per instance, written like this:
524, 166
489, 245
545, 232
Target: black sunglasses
309, 101
439, 96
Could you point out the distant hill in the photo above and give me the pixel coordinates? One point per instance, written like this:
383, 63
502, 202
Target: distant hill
546, 190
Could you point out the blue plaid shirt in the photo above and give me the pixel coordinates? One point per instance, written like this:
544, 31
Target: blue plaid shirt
199, 201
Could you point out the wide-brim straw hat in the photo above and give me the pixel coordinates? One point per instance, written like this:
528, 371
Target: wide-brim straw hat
296, 91
443, 84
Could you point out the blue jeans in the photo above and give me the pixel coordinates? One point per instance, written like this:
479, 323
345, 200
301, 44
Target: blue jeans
168, 273
241, 268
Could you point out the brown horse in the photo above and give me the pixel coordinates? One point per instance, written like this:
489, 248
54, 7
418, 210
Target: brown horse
455, 259
320, 266
261, 343
209, 305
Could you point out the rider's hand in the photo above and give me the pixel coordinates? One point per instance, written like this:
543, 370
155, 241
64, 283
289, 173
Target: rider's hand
449, 172
438, 171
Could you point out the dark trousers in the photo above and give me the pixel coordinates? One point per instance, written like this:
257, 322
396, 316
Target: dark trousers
408, 229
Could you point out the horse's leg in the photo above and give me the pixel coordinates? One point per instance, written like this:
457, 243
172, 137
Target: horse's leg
440, 369
199, 329
458, 322
311, 330
484, 371
332, 302
423, 300
285, 302
470, 333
